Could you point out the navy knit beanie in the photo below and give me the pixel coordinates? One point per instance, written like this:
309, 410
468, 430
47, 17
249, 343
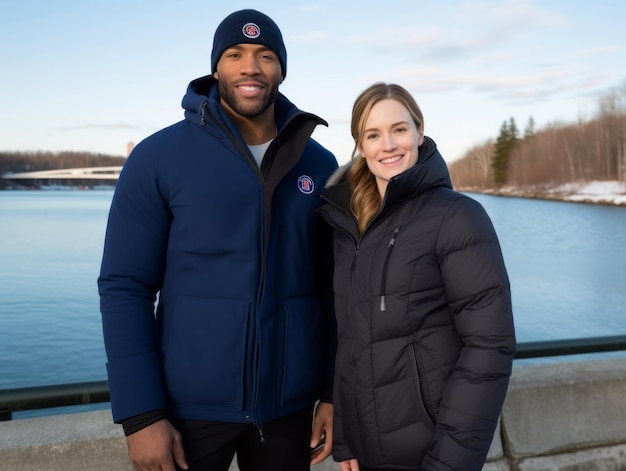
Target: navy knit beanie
248, 27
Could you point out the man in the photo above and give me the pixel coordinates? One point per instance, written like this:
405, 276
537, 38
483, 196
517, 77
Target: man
215, 216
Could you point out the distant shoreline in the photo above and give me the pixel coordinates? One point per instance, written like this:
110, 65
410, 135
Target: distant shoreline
610, 193
607, 193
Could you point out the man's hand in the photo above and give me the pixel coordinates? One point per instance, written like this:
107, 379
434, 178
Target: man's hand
155, 448
322, 429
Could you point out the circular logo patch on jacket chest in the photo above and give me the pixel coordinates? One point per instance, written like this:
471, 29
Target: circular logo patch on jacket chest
306, 185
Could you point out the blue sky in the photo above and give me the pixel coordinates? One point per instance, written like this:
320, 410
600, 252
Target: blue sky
96, 75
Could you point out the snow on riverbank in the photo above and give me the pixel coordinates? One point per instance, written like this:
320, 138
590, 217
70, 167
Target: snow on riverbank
611, 192
595, 192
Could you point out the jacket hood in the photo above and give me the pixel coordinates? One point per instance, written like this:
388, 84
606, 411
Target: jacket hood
430, 171
196, 96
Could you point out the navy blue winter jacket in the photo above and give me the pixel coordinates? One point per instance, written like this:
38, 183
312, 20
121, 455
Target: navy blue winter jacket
236, 259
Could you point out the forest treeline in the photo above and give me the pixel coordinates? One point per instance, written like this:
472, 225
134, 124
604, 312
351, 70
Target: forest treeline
17, 162
534, 161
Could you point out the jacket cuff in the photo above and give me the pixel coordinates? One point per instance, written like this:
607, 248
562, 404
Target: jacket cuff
327, 393
135, 386
141, 421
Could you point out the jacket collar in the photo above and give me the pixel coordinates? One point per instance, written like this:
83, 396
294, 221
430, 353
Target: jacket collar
202, 102
430, 171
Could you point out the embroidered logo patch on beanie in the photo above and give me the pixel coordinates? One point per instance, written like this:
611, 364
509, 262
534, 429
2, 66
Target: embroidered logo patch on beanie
251, 31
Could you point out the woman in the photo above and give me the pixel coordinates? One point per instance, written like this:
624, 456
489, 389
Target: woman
422, 299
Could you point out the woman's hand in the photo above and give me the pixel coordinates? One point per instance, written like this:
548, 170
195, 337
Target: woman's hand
350, 465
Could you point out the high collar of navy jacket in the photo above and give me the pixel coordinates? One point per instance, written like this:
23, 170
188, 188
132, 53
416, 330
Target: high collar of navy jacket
202, 101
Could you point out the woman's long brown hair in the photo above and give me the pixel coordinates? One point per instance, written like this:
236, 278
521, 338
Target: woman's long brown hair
366, 200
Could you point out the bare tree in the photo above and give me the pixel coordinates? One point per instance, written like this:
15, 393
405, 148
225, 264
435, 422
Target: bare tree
612, 122
559, 153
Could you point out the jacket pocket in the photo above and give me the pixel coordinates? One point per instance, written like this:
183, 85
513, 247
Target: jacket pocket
206, 351
420, 386
304, 352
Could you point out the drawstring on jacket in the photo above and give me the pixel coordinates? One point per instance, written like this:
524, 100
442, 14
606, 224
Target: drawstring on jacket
203, 113
392, 242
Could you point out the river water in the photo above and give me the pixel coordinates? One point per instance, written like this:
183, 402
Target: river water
566, 261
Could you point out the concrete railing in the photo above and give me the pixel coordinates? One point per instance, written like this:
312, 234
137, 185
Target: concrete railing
565, 416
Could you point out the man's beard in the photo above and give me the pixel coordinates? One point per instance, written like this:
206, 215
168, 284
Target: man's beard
251, 110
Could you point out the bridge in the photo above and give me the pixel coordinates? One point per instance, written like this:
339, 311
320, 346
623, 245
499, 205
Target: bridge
87, 173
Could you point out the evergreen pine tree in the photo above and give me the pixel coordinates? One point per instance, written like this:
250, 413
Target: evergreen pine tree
501, 155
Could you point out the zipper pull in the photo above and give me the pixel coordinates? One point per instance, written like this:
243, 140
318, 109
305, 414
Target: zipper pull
261, 434
353, 266
392, 242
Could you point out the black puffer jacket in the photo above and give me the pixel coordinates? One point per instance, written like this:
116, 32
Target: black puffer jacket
425, 326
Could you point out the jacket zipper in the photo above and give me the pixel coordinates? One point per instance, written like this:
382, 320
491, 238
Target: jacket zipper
383, 281
256, 358
205, 110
